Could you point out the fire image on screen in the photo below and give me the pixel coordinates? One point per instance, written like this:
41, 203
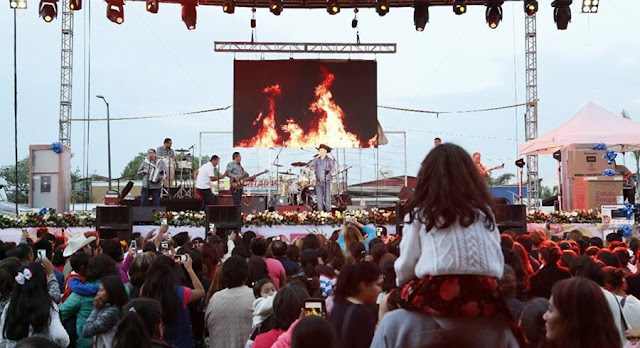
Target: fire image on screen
305, 103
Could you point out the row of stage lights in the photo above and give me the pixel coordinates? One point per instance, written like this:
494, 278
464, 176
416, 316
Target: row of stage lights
493, 12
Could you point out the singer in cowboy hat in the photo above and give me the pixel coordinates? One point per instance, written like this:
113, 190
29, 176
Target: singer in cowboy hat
324, 167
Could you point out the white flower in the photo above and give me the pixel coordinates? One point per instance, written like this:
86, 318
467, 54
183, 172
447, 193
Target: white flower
575, 213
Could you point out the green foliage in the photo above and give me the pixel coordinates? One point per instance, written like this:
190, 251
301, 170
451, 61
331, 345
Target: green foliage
548, 192
130, 171
8, 172
502, 180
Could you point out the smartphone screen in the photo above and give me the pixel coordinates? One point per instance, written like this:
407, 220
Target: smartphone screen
165, 246
379, 232
42, 254
163, 221
134, 245
314, 307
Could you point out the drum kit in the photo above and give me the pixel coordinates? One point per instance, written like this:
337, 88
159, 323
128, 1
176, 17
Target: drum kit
184, 182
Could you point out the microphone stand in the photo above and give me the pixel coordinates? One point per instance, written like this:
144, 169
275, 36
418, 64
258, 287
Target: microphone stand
276, 163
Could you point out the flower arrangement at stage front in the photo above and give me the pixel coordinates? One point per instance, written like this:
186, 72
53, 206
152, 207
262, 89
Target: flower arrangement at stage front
582, 216
48, 218
184, 218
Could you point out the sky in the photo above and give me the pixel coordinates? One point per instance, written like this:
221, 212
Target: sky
152, 65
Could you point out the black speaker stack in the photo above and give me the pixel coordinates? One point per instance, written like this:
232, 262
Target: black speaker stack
224, 217
114, 221
511, 217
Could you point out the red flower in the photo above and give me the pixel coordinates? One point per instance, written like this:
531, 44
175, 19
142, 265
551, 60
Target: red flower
450, 289
417, 301
470, 309
489, 283
406, 292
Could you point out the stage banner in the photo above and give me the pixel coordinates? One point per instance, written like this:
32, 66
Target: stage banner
305, 103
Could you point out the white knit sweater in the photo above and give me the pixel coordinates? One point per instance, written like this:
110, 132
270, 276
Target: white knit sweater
454, 250
54, 333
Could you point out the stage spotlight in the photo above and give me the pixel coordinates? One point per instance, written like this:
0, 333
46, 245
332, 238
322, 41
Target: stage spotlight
459, 7
229, 6
420, 16
590, 6
561, 13
75, 5
276, 7
493, 15
333, 7
153, 6
382, 7
530, 7
48, 10
354, 23
520, 163
189, 15
21, 4
115, 11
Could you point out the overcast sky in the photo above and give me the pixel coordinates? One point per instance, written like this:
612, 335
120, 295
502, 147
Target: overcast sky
152, 65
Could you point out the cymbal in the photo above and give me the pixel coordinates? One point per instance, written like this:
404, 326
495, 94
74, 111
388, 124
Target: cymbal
299, 164
286, 173
181, 150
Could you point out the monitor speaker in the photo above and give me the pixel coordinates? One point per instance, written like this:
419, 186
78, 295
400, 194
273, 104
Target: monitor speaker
146, 215
224, 217
114, 221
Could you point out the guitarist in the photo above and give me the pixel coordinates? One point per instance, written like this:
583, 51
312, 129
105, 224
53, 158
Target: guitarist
236, 173
481, 168
204, 176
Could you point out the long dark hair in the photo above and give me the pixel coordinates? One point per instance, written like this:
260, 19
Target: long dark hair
160, 284
578, 300
114, 286
449, 190
287, 304
140, 318
30, 305
352, 275
257, 270
8, 270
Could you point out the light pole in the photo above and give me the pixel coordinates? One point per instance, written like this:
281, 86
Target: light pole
16, 4
108, 138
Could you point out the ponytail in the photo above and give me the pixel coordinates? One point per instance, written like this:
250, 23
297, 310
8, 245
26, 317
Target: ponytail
138, 324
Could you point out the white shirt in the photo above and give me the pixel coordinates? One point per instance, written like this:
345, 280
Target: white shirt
203, 181
454, 250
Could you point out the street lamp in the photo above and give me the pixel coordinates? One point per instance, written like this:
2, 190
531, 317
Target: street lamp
108, 137
15, 5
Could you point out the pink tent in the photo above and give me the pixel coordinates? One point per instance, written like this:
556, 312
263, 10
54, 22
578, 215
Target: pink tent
591, 125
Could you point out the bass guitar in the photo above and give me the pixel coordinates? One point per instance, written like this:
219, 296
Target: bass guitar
239, 184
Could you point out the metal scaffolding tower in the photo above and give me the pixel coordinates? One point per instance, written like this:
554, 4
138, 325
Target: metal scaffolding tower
66, 73
531, 114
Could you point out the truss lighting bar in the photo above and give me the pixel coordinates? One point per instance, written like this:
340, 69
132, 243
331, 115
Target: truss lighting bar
304, 47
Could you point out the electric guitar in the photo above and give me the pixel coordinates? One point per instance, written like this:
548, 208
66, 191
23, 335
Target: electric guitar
495, 168
238, 184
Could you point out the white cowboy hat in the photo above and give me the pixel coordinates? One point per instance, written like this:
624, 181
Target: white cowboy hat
76, 243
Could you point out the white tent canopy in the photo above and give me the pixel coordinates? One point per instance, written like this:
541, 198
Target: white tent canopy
591, 125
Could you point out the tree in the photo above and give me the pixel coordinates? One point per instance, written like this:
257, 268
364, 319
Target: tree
636, 154
502, 180
8, 172
130, 171
548, 192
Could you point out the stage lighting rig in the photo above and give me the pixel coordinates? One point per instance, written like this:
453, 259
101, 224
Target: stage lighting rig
590, 6
21, 4
420, 16
153, 6
276, 7
460, 7
48, 10
333, 7
229, 6
189, 14
75, 5
562, 13
382, 7
531, 7
493, 13
115, 11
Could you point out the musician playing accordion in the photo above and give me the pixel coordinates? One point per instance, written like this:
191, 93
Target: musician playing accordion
153, 171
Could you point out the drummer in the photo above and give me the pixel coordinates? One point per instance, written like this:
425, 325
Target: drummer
165, 150
324, 167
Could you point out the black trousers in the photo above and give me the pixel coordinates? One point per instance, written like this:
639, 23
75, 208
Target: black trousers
630, 195
207, 197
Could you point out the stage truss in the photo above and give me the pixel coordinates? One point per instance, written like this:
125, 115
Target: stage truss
304, 47
321, 4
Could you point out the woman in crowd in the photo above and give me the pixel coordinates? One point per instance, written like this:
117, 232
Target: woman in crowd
274, 267
81, 306
31, 310
354, 315
509, 289
542, 282
314, 332
161, 285
615, 283
579, 316
138, 272
210, 259
230, 313
257, 270
286, 309
8, 270
102, 322
532, 324
140, 325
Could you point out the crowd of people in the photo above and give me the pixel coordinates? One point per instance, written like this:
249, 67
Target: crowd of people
449, 280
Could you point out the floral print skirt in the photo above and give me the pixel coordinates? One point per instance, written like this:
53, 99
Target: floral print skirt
450, 296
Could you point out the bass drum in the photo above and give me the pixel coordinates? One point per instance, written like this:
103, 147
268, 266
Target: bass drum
308, 197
